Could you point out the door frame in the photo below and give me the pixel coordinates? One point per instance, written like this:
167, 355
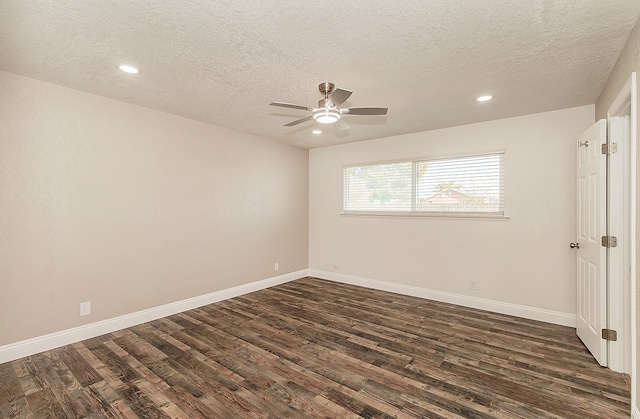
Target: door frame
621, 222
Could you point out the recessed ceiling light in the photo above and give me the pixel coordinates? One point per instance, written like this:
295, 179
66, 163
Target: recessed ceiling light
484, 98
128, 69
316, 131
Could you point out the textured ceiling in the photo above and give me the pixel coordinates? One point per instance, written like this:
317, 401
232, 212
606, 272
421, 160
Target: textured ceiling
224, 61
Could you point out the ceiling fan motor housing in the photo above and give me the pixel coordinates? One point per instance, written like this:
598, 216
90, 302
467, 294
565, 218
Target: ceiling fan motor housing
325, 103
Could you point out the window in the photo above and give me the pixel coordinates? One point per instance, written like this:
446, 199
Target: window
469, 185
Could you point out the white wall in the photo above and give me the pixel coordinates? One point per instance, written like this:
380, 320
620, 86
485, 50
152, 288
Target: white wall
525, 260
132, 208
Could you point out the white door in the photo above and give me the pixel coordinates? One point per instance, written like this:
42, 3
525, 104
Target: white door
591, 255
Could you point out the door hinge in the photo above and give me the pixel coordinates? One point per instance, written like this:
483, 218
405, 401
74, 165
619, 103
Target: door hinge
609, 241
608, 334
609, 148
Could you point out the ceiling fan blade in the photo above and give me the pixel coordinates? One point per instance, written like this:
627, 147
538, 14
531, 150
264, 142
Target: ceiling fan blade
339, 96
364, 111
298, 121
291, 105
341, 125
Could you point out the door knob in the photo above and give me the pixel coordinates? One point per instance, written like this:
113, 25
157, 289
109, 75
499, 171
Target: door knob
574, 245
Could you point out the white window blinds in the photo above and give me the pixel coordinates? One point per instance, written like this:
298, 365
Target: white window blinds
380, 187
455, 185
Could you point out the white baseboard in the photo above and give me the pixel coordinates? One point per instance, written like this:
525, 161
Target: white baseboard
635, 413
54, 340
533, 313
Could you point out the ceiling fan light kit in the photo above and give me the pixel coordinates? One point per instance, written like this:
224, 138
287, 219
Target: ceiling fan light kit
328, 111
326, 116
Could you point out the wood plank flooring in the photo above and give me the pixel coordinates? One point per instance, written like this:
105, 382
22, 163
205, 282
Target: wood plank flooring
314, 348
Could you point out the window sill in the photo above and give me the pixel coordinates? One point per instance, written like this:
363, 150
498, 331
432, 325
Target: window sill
457, 216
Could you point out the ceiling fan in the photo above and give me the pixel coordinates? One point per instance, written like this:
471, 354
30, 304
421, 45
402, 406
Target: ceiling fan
328, 111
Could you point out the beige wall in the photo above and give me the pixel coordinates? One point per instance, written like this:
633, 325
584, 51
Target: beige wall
525, 260
628, 62
132, 208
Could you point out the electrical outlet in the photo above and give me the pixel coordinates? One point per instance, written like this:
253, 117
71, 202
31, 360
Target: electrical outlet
85, 308
473, 285
276, 266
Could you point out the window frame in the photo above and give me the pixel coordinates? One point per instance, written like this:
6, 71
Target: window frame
413, 213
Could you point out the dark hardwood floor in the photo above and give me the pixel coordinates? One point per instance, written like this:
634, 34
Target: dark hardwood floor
314, 348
